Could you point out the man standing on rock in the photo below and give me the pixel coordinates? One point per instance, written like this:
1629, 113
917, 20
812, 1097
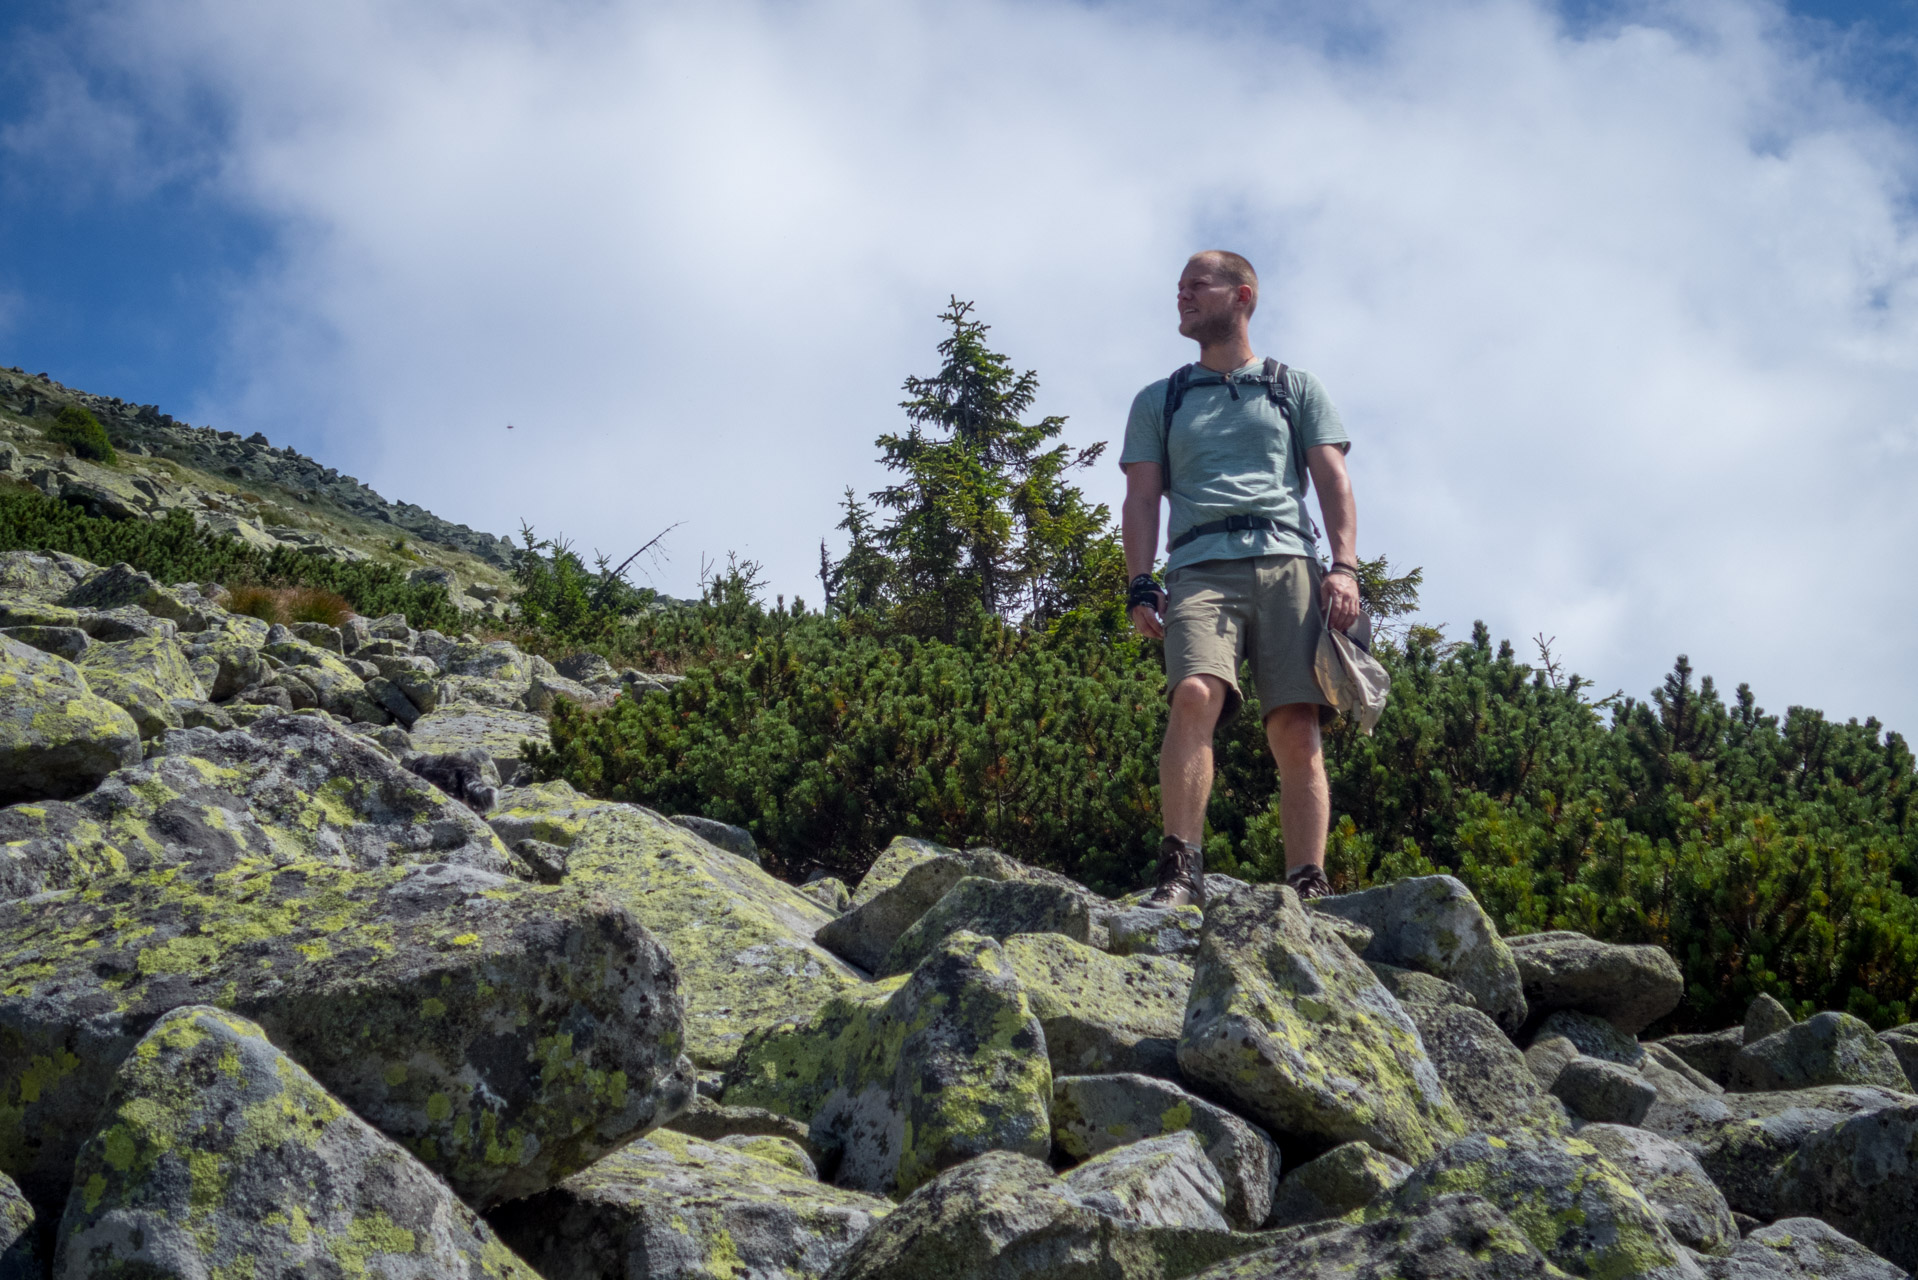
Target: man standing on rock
1230, 443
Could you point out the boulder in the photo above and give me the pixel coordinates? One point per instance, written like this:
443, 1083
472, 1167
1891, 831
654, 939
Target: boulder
507, 1034
1675, 1079
670, 1207
910, 1079
109, 626
500, 733
1484, 1074
41, 576
710, 1121
1102, 1013
995, 909
1005, 1216
587, 667
1903, 1043
1672, 1181
20, 1257
142, 676
1344, 1179
496, 660
1154, 931
1604, 1092
734, 840
62, 642
1741, 1139
112, 588
830, 892
224, 663
1452, 1237
1546, 1056
217, 1154
1092, 1114
290, 789
1595, 1037
1827, 1048
1435, 925
1575, 1207
920, 878
1629, 986
1156, 1182
1709, 1053
740, 937
1861, 1176
784, 1152
544, 692
57, 738
1291, 1028
1801, 1249
1765, 1016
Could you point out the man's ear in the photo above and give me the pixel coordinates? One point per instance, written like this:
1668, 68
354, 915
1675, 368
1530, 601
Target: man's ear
1244, 292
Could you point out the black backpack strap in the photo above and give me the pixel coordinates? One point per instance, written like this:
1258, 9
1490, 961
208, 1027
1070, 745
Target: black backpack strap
1174, 397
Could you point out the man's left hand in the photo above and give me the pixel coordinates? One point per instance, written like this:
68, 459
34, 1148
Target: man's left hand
1340, 594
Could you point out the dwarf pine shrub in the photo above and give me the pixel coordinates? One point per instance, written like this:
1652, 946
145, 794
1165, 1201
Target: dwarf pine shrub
80, 431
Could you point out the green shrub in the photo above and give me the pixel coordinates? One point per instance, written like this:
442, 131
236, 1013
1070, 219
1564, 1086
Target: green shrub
80, 431
175, 549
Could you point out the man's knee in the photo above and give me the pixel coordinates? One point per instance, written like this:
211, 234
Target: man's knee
1293, 731
1199, 696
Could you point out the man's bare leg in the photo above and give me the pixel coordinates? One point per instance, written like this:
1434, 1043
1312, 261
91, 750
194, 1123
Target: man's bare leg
1185, 760
1305, 799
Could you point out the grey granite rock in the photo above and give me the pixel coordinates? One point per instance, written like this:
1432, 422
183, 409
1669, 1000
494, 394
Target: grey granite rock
1603, 1091
1629, 986
1827, 1048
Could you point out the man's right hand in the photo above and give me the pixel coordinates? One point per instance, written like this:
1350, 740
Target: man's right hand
1147, 620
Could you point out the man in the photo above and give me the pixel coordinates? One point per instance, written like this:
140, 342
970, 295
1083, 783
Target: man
1243, 581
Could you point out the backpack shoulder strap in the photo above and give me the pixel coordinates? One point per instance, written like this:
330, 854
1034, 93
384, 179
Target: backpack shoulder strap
1174, 397
1279, 387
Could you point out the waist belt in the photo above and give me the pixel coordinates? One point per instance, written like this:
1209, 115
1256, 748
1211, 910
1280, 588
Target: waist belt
1237, 524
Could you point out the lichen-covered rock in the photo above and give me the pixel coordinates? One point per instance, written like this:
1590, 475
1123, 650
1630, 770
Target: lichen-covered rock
1575, 1207
291, 789
1801, 1249
488, 660
1454, 1237
20, 1257
1765, 1016
1546, 1056
1629, 986
1483, 1072
1827, 1048
721, 835
114, 587
1675, 1079
830, 892
62, 642
1604, 1092
1595, 1037
742, 939
337, 688
224, 662
500, 733
1672, 1180
1285, 1022
1903, 1043
1154, 931
41, 576
1741, 1139
670, 1207
216, 1154
57, 737
1861, 1176
921, 874
1710, 1053
1435, 925
1091, 1114
950, 1063
1004, 1216
1344, 1179
784, 1152
1156, 1182
995, 909
507, 1034
711, 1121
1102, 1013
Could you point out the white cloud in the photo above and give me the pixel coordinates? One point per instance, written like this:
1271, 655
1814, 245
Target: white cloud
1624, 321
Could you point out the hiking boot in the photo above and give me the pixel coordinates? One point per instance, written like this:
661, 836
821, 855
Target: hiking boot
1181, 875
1309, 882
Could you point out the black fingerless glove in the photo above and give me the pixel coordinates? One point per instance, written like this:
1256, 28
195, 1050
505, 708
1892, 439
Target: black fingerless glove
1144, 590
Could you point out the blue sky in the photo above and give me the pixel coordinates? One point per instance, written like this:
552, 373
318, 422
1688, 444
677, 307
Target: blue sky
1620, 302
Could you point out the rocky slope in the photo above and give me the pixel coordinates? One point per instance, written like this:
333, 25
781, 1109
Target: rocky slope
266, 495
303, 974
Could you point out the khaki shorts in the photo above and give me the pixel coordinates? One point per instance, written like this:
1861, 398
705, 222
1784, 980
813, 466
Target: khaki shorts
1258, 608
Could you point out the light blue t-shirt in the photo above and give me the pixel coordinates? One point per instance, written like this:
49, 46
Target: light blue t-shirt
1234, 457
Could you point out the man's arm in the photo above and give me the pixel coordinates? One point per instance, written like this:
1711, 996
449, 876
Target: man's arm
1139, 528
1339, 592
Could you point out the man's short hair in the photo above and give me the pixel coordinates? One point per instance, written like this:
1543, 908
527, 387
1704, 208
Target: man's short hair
1233, 267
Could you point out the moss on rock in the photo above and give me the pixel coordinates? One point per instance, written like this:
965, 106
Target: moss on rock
1285, 1022
506, 1034
741, 938
912, 1076
670, 1207
218, 1155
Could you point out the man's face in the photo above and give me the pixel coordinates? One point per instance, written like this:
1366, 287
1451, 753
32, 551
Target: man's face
1208, 303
